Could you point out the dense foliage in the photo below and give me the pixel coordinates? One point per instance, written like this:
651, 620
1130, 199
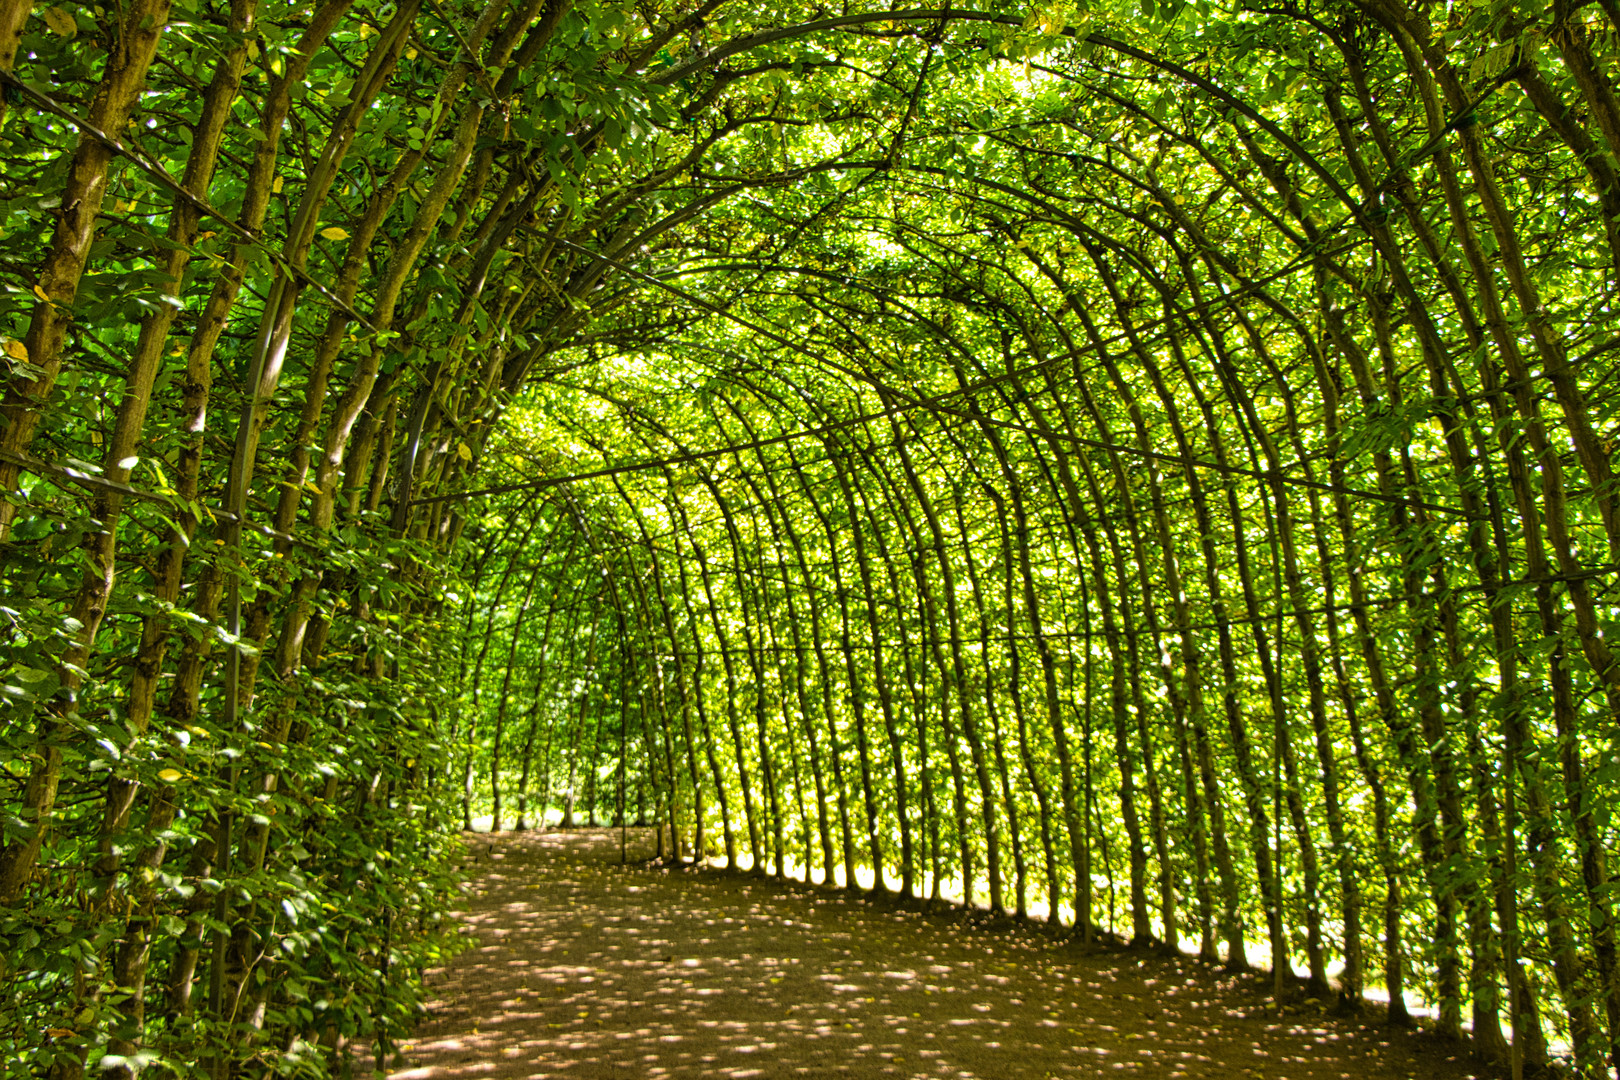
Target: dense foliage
1147, 467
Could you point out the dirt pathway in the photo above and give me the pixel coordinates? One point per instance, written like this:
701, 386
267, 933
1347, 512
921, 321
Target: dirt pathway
585, 969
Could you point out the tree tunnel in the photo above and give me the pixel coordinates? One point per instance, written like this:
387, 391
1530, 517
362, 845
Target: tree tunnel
1146, 468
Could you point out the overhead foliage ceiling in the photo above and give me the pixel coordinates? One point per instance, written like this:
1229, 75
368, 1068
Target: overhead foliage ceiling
1163, 447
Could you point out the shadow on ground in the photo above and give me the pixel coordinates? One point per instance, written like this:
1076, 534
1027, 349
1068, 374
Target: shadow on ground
587, 969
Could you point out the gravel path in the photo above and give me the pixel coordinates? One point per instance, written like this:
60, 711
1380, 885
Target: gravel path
587, 969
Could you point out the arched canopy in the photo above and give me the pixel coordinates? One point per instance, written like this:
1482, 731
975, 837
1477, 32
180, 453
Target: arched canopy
1147, 468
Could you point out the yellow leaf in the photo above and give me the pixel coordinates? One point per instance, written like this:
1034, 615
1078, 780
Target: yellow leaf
366, 31
60, 22
275, 185
14, 349
169, 776
335, 233
462, 452
39, 292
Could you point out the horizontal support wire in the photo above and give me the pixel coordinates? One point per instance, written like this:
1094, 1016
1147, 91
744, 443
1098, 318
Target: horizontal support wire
197, 202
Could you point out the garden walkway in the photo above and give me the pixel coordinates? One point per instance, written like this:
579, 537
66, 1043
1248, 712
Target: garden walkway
586, 969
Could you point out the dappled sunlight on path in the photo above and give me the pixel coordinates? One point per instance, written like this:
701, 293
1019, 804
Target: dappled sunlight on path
587, 969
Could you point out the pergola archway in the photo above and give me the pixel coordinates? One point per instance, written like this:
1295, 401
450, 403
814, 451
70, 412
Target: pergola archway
1144, 468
